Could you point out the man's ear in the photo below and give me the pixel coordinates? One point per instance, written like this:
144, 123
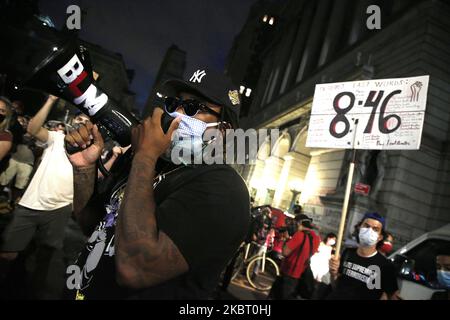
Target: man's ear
223, 127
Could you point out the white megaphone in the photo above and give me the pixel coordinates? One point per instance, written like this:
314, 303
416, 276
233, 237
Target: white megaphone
43, 58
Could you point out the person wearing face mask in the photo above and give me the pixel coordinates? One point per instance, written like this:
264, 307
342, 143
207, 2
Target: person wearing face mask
162, 233
443, 273
364, 273
319, 261
320, 268
386, 246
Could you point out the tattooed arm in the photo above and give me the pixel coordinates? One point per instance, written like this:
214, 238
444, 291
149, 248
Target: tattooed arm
88, 212
145, 255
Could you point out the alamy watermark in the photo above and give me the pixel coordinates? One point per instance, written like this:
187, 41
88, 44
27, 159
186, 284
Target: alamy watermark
74, 277
374, 20
370, 275
218, 147
374, 280
73, 21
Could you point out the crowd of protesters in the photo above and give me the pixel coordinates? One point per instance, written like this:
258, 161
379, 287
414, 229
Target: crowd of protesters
309, 266
36, 177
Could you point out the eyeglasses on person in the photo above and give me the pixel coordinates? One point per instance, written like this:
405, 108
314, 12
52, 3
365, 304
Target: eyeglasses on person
191, 107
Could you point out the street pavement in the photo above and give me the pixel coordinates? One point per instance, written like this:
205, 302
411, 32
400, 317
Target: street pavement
241, 290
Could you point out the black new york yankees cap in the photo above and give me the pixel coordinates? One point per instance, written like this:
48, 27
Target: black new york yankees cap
214, 86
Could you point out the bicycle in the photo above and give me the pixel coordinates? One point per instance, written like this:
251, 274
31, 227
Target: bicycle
261, 270
242, 258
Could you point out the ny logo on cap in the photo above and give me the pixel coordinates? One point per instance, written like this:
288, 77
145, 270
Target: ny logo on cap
197, 76
234, 97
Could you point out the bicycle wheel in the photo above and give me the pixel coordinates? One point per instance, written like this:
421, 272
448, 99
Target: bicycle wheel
259, 279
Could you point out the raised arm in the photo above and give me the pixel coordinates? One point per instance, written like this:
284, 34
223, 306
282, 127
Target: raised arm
35, 125
86, 210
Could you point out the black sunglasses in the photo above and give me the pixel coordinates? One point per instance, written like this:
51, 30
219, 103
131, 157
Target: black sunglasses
190, 106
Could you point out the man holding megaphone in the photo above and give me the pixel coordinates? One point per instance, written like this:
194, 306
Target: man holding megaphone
166, 235
153, 235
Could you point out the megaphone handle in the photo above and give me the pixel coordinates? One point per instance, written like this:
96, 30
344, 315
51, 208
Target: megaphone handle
102, 168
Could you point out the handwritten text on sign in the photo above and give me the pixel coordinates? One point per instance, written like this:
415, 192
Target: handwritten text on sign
374, 114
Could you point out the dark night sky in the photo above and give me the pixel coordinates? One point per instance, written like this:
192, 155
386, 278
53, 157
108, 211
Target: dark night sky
142, 30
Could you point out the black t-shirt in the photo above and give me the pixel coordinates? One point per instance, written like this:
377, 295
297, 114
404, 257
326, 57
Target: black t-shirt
364, 278
203, 209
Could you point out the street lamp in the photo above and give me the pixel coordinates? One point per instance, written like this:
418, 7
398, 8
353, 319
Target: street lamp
296, 187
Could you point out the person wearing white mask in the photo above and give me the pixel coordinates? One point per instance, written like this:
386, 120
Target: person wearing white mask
168, 233
443, 273
320, 267
363, 273
319, 261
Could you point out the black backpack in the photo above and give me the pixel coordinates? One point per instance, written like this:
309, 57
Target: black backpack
306, 283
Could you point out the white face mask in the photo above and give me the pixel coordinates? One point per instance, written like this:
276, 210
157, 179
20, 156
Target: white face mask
331, 242
368, 237
444, 278
187, 142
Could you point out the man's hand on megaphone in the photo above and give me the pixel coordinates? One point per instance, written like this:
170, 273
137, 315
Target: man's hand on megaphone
149, 140
88, 138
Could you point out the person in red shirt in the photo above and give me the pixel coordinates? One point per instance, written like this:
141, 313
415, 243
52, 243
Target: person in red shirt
281, 236
278, 218
297, 252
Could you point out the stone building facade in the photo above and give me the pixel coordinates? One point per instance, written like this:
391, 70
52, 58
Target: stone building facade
328, 41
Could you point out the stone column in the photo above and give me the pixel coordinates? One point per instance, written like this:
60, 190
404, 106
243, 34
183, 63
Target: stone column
359, 28
253, 179
260, 91
284, 51
269, 178
266, 82
334, 31
299, 45
246, 171
294, 169
309, 58
273, 81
